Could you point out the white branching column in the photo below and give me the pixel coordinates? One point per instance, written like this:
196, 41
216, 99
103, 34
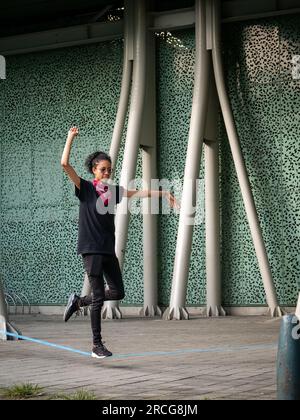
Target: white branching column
212, 208
240, 166
122, 107
177, 309
111, 308
150, 206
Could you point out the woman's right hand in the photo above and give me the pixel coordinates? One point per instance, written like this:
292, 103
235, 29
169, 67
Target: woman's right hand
73, 132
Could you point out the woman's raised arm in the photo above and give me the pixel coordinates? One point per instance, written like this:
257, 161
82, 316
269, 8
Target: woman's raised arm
70, 171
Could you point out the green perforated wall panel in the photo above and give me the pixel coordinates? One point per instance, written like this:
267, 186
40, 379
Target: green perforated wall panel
265, 100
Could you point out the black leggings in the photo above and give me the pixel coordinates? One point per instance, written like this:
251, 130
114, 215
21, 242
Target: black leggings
97, 265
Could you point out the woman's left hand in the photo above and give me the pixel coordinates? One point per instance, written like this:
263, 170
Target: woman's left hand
172, 201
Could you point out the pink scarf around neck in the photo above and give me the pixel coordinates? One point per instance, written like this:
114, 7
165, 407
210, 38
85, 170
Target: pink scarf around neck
103, 191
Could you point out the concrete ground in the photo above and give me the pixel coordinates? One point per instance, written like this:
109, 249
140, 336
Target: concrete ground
218, 358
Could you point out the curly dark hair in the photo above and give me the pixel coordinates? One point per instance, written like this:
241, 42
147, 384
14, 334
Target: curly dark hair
93, 159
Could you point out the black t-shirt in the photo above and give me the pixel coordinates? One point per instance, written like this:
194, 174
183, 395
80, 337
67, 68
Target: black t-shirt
96, 219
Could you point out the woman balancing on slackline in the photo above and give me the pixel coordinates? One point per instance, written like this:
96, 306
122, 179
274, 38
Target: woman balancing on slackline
96, 237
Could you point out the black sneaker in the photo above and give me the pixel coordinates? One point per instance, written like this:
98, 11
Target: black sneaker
100, 351
72, 306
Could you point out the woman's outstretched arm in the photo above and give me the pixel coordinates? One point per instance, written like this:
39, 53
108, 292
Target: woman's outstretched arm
152, 193
70, 171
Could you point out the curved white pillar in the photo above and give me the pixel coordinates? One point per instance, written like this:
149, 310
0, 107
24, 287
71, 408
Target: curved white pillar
121, 114
240, 167
111, 308
177, 308
212, 224
212, 207
150, 206
126, 83
150, 308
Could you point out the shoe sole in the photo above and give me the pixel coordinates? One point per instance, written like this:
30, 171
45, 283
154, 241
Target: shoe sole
71, 298
99, 357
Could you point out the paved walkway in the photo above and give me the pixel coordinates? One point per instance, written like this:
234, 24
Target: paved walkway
219, 358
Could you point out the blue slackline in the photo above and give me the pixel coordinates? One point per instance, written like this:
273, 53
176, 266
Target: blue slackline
155, 353
45, 343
